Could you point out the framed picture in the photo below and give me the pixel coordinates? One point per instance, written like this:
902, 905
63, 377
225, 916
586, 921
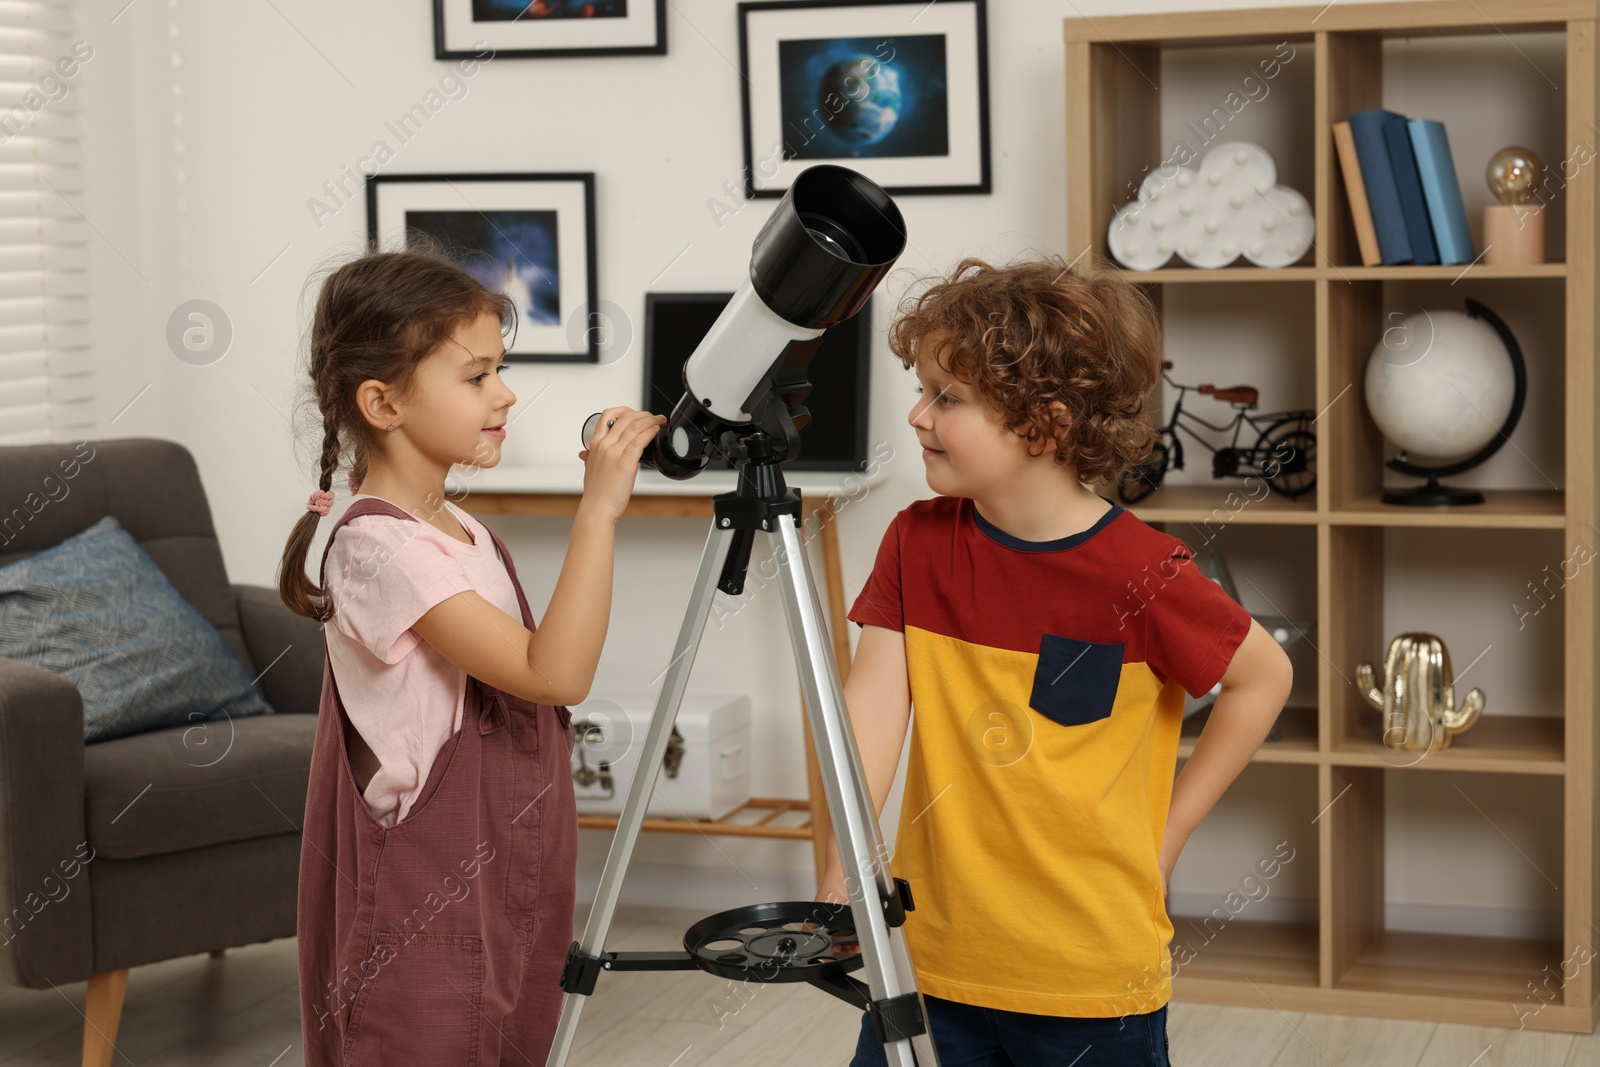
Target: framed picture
528, 235
544, 29
896, 89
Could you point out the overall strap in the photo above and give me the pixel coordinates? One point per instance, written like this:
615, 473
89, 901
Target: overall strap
511, 569
366, 506
378, 506
563, 713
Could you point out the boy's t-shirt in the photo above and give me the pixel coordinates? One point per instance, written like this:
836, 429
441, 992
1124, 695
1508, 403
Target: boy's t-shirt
1047, 679
403, 697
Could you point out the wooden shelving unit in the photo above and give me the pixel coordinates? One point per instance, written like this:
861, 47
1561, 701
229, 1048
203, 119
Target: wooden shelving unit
1347, 961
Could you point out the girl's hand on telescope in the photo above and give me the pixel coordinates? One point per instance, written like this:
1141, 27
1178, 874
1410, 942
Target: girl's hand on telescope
611, 462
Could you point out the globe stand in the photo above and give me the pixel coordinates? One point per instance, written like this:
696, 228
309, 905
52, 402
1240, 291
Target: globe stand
1432, 494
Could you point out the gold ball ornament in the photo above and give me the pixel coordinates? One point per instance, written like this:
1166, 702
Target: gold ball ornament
1514, 174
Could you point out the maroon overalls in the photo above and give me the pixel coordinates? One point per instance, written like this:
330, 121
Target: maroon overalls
440, 940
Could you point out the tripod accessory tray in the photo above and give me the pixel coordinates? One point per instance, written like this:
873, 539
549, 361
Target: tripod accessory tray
804, 941
789, 941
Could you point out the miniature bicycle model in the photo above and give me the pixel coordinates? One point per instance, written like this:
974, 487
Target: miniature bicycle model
1284, 455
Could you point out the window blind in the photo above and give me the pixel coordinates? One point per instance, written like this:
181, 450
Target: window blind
46, 377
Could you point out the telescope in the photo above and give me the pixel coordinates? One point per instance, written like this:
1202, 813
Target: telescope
819, 256
826, 246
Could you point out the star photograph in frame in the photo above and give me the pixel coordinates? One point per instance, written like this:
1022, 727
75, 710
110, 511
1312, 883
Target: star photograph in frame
531, 236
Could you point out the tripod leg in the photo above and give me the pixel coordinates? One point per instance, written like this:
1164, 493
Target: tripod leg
643, 784
861, 850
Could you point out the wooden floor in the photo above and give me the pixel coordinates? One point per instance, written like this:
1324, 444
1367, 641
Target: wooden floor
243, 1011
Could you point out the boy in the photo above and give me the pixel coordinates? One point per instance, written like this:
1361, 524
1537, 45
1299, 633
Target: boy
1046, 637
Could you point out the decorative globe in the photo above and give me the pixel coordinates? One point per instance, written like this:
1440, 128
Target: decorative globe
870, 91
1440, 384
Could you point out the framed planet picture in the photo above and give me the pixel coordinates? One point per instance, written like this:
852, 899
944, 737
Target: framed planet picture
896, 89
540, 29
530, 236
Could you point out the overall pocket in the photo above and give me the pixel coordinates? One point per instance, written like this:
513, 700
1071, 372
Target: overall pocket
420, 1002
1076, 681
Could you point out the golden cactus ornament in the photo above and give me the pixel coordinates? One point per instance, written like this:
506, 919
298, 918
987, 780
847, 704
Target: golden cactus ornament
1417, 698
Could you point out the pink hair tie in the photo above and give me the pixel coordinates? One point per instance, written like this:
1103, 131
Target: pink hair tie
320, 501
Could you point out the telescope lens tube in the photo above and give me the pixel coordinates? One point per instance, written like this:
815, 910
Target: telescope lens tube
735, 354
826, 246
823, 250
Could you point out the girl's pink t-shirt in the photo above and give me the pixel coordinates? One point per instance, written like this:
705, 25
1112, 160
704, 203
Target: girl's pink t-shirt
404, 698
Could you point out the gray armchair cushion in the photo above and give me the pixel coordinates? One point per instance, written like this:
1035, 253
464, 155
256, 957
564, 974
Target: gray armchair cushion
194, 786
98, 610
153, 488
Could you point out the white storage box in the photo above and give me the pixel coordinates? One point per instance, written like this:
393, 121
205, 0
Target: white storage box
711, 763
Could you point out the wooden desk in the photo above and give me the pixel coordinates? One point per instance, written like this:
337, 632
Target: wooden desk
485, 502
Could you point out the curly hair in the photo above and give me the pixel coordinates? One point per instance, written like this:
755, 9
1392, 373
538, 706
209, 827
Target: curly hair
377, 317
1040, 330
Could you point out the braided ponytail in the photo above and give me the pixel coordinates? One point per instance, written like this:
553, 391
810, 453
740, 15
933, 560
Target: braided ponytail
305, 597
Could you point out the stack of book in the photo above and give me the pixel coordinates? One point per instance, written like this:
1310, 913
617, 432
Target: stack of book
1404, 196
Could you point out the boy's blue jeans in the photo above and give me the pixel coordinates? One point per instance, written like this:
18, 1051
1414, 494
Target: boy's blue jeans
969, 1036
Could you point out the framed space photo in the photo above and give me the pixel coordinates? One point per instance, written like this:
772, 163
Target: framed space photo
538, 29
896, 89
530, 236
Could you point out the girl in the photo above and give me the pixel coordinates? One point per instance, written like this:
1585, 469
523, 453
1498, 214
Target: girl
439, 854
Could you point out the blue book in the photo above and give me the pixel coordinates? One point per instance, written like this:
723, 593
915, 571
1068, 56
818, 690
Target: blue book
1442, 190
1413, 206
1372, 152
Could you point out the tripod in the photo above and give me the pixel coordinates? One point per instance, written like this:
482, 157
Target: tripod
793, 941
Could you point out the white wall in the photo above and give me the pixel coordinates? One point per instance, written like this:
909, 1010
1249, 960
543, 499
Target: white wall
210, 126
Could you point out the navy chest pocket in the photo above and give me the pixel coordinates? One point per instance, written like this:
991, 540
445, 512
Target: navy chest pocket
1076, 681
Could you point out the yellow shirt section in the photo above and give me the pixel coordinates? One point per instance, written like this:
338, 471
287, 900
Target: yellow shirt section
1032, 848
